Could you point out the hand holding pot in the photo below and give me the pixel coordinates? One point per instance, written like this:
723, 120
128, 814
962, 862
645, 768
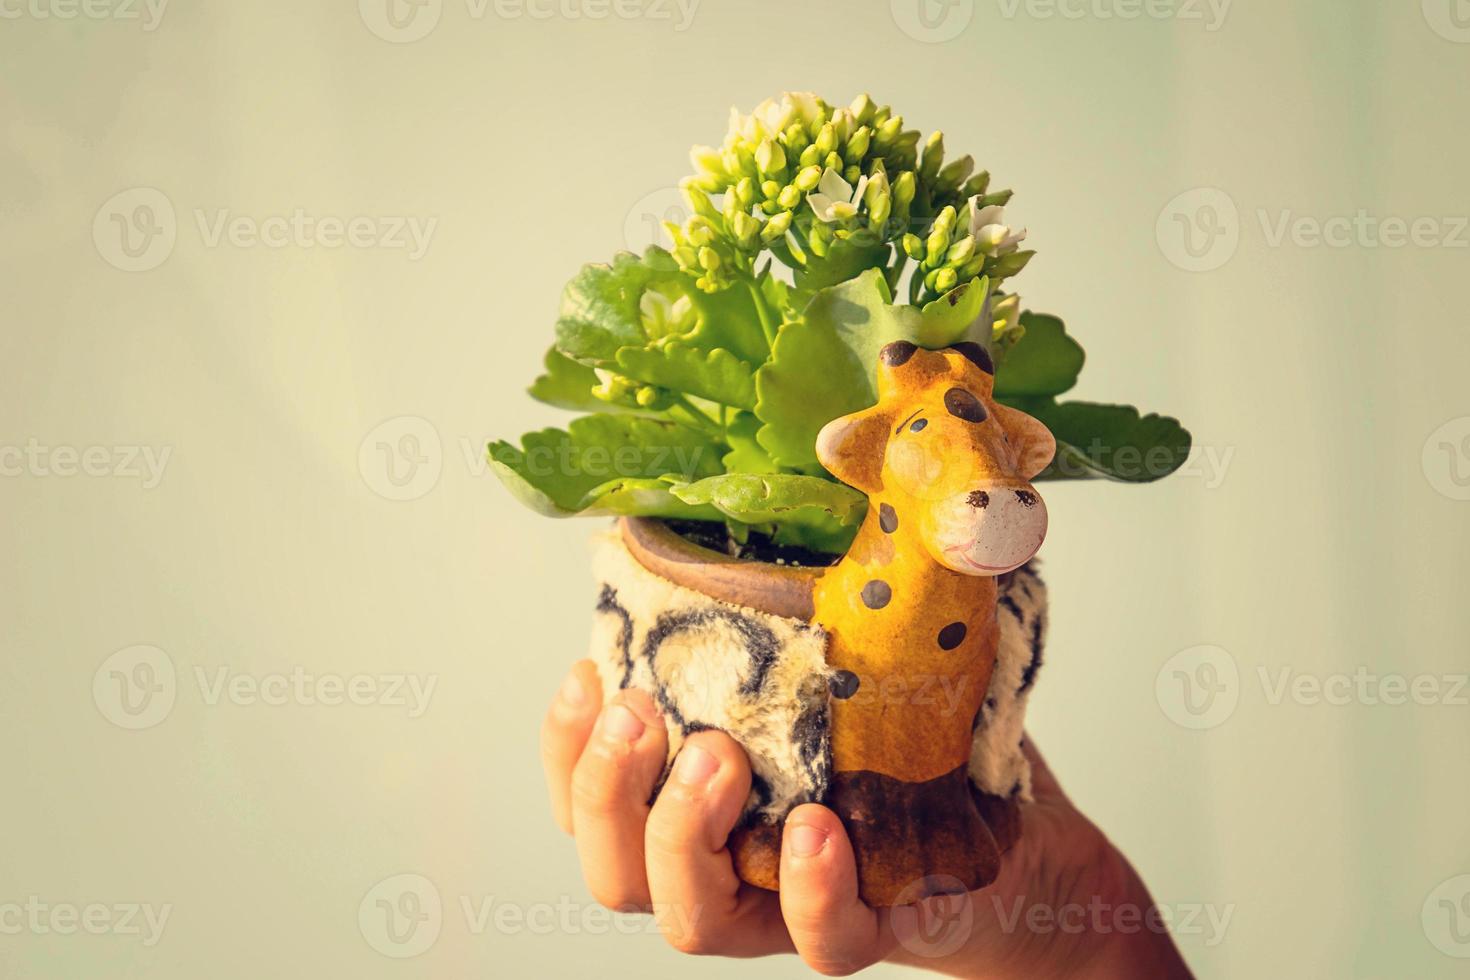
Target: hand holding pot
602, 762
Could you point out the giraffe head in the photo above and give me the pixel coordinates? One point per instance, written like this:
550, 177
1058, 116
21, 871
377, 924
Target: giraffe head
938, 456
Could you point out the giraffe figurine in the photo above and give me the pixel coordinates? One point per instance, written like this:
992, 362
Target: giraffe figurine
911, 609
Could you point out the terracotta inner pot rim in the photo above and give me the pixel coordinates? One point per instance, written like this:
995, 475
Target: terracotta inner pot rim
784, 590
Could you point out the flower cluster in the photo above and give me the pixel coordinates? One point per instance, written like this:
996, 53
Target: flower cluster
804, 180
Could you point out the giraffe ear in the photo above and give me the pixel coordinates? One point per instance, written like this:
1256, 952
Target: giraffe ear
852, 448
1034, 444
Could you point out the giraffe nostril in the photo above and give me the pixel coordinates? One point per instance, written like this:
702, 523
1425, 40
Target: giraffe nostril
979, 498
1026, 497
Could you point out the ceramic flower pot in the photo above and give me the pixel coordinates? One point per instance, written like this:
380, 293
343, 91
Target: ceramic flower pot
725, 643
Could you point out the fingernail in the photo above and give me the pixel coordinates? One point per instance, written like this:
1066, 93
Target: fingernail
695, 766
572, 691
620, 724
805, 840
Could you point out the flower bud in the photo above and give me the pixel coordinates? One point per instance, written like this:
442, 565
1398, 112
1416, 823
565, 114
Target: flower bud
827, 139
933, 157
808, 179
777, 226
770, 157
955, 173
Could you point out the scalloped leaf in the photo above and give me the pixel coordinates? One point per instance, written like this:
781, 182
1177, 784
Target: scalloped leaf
1045, 361
808, 510
825, 362
716, 375
599, 307
1110, 441
746, 454
555, 471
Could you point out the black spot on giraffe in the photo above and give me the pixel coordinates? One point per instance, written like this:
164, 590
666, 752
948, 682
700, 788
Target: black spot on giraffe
887, 518
975, 354
897, 353
876, 594
952, 636
844, 684
964, 405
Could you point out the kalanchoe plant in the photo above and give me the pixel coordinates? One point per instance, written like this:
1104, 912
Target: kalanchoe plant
708, 369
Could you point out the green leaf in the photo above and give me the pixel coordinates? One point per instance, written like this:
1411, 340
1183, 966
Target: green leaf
599, 307
567, 384
1111, 441
807, 510
728, 319
845, 260
746, 454
825, 362
642, 498
716, 375
947, 319
1045, 361
554, 471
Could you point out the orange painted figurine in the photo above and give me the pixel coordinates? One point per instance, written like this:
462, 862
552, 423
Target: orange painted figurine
946, 470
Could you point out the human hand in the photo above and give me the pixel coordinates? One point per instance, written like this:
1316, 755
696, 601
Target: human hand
669, 858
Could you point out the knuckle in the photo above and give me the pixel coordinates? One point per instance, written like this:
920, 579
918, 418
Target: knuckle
596, 789
624, 900
694, 942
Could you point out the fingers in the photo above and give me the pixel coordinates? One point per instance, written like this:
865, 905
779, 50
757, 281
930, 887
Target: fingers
611, 784
564, 734
700, 903
835, 933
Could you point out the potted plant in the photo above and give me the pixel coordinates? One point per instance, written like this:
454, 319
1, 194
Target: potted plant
818, 417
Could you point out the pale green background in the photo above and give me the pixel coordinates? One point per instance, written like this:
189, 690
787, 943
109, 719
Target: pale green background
535, 143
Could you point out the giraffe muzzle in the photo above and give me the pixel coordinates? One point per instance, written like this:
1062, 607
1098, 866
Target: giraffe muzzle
990, 530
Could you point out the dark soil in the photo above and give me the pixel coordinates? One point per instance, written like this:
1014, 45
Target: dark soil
757, 547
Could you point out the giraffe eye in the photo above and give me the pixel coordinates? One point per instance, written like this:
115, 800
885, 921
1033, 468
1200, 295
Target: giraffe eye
918, 425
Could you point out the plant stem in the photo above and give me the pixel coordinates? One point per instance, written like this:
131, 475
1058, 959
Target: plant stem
768, 326
688, 412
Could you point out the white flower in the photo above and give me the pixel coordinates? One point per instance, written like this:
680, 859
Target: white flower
992, 235
836, 199
663, 317
773, 116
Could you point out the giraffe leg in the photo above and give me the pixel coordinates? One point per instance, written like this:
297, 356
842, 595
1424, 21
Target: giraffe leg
913, 840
